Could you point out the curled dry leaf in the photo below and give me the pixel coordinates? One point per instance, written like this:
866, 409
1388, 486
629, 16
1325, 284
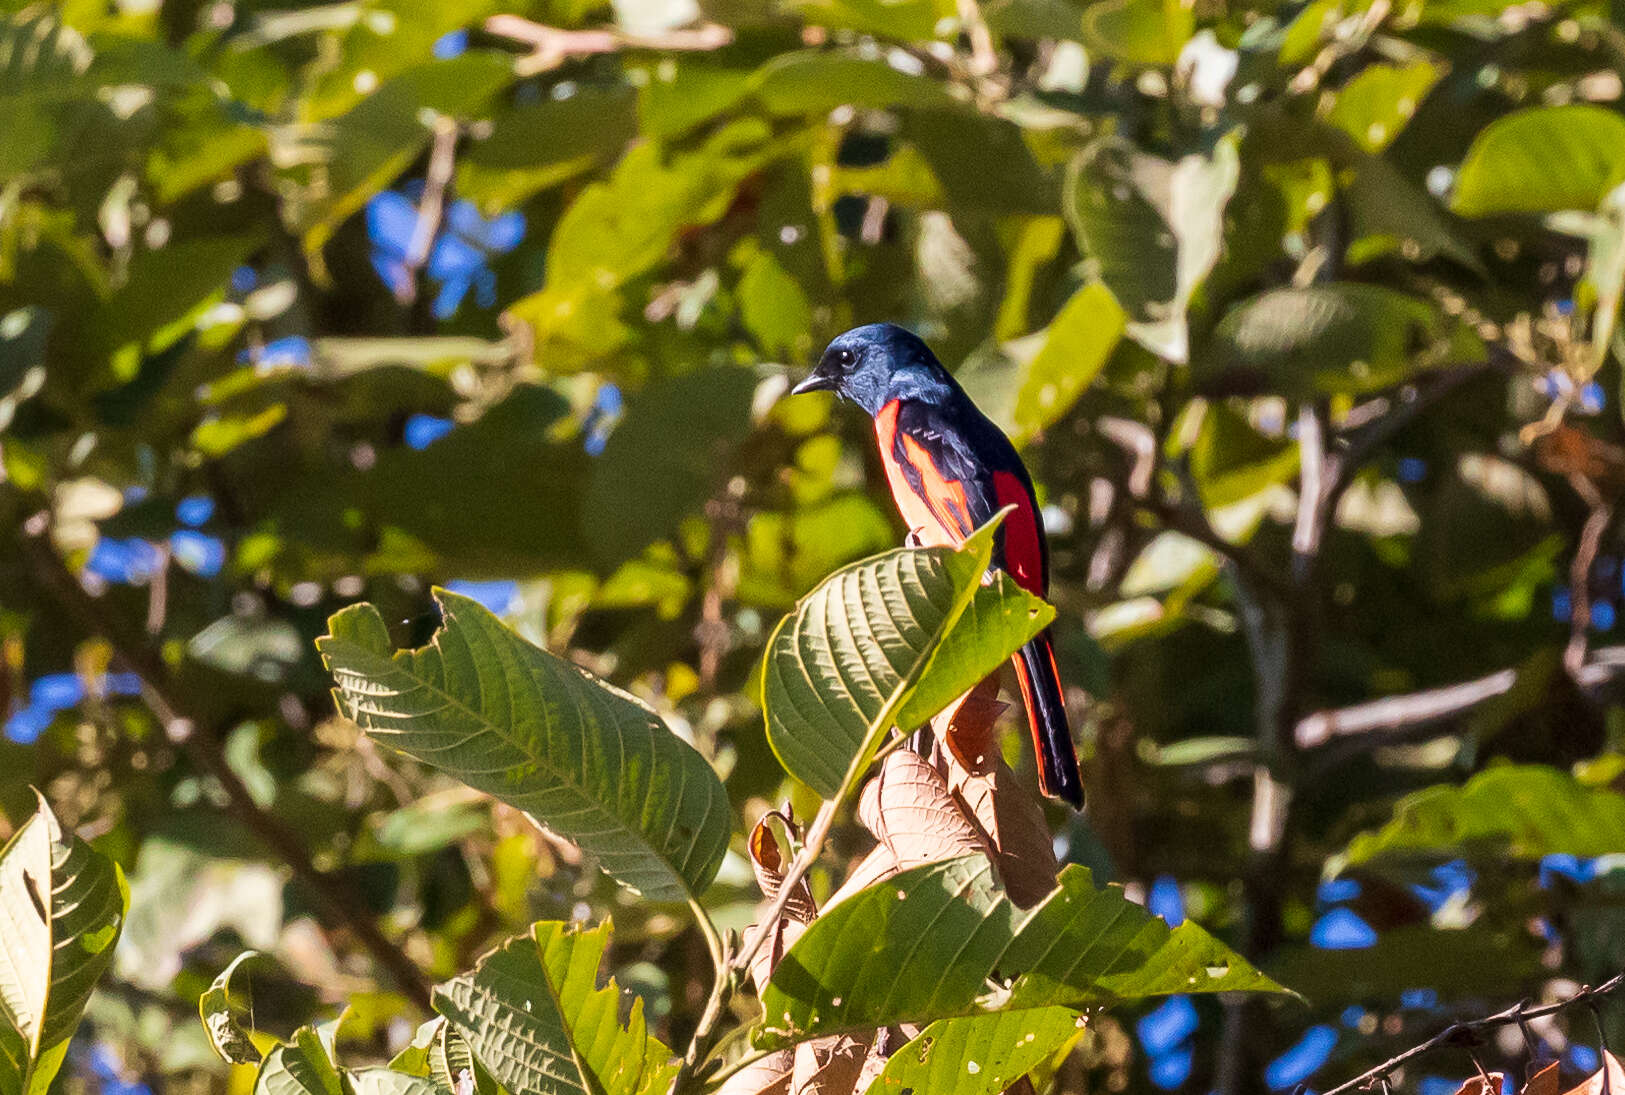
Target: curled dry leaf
769, 862
832, 1065
967, 725
909, 810
1609, 1078
769, 1076
1485, 1083
1543, 1082
1011, 823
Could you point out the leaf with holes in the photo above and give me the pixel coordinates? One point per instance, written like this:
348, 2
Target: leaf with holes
228, 1037
582, 757
922, 946
534, 1015
978, 1054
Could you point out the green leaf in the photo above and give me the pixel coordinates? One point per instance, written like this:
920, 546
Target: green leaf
538, 145
1151, 230
582, 757
62, 907
922, 945
533, 1013
384, 1081
1076, 347
300, 1067
1375, 105
1521, 811
977, 1055
1340, 338
228, 1037
1542, 160
1139, 32
874, 646
663, 459
818, 81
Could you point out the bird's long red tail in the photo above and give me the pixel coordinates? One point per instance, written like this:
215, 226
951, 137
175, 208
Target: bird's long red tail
1046, 715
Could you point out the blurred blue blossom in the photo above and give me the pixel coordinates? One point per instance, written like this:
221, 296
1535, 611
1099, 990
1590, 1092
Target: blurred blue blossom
1602, 616
1563, 865
1412, 469
1592, 399
1334, 890
103, 1063
194, 510
56, 692
1353, 1015
1300, 1062
1166, 901
1172, 1068
1419, 999
1437, 1085
198, 552
1449, 880
124, 561
1562, 604
606, 408
459, 258
293, 351
1582, 1058
244, 279
497, 596
1164, 1028
1342, 930
451, 45
423, 430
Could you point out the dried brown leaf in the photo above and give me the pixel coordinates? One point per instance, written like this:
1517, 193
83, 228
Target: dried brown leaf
1011, 823
1610, 1077
1482, 1084
830, 1066
769, 862
967, 725
769, 1076
1544, 1082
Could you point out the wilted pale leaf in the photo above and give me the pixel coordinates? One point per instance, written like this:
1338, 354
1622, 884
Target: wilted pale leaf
228, 1037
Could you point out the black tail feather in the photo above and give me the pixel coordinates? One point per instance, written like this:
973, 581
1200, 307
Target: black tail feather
1046, 715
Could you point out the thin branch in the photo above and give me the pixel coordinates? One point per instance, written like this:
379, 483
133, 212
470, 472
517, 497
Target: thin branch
1597, 522
442, 160
164, 696
552, 46
1392, 713
1467, 1032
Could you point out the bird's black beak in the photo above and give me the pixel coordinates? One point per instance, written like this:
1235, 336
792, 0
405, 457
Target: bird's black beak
815, 382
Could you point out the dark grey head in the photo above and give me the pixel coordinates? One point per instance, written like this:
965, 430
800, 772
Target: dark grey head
875, 364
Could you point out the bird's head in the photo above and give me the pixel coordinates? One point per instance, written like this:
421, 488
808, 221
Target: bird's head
875, 364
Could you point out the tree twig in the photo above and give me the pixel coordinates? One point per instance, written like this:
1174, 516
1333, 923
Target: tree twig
163, 695
442, 160
552, 46
1401, 712
1465, 1032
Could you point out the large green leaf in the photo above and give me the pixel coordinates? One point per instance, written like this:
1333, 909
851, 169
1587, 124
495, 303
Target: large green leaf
62, 907
582, 757
1542, 160
536, 1018
1341, 338
876, 645
1522, 811
1139, 32
922, 945
979, 1054
1079, 340
300, 1067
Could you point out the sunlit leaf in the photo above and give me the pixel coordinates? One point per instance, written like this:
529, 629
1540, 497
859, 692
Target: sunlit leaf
1542, 160
228, 1037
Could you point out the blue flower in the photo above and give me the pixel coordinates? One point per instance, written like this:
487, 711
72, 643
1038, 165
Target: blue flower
1300, 1062
1564, 865
423, 430
197, 552
1562, 604
392, 219
460, 258
1166, 901
1163, 1029
293, 351
1419, 999
1173, 1068
1582, 1058
1412, 469
1334, 890
450, 45
244, 279
1342, 930
606, 409
194, 510
126, 561
1602, 616
1353, 1016
499, 596
1592, 398
46, 696
1450, 879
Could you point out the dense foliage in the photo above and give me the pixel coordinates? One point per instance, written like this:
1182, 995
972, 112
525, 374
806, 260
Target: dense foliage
1304, 317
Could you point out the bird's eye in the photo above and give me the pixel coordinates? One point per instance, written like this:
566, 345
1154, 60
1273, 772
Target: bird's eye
845, 358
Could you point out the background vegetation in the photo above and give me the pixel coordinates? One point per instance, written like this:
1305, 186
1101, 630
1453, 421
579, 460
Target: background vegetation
1304, 316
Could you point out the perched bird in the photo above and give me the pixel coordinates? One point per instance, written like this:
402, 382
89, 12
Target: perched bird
950, 470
